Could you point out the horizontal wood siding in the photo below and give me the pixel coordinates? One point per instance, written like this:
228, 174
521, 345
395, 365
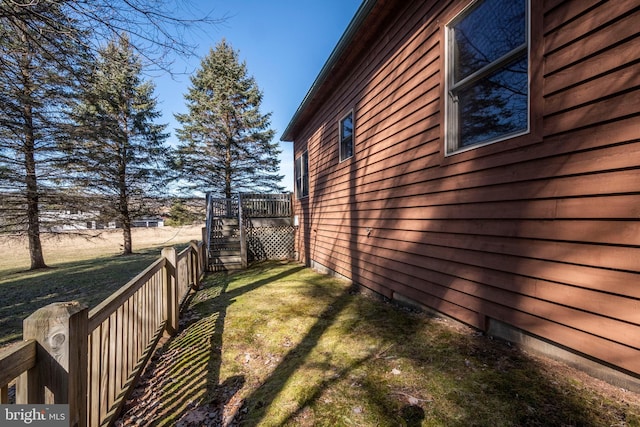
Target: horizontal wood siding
540, 232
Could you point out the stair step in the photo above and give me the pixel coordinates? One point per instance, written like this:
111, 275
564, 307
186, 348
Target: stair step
228, 224
227, 258
224, 252
225, 267
234, 257
221, 242
218, 234
225, 262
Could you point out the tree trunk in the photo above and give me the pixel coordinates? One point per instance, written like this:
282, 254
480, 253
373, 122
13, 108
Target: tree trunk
123, 202
227, 171
33, 211
31, 180
125, 217
126, 233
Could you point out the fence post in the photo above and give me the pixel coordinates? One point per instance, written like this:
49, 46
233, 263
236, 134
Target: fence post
170, 290
196, 262
60, 375
205, 248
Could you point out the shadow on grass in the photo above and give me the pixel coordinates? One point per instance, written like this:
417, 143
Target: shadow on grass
259, 401
474, 380
357, 361
182, 382
463, 378
89, 282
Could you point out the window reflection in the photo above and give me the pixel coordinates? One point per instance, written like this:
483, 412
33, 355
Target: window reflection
495, 106
301, 170
487, 78
346, 137
490, 31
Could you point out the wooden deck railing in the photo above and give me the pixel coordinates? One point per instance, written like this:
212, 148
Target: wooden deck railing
92, 359
266, 205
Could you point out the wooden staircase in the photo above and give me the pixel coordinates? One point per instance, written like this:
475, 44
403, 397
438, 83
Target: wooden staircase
225, 249
248, 227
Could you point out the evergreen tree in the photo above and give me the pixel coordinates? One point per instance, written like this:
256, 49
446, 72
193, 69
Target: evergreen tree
41, 62
117, 152
44, 46
225, 141
182, 214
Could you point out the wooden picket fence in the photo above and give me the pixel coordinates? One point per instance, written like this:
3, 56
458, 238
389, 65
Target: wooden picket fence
92, 359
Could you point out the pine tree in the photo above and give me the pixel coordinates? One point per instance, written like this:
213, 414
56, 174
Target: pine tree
117, 152
42, 61
225, 141
44, 47
182, 214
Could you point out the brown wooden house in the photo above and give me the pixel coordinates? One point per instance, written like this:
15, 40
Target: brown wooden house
482, 159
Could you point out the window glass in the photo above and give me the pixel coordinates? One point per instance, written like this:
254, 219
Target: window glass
346, 137
491, 30
495, 106
302, 176
305, 180
488, 73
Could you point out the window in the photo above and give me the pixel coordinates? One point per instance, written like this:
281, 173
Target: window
302, 175
487, 80
346, 137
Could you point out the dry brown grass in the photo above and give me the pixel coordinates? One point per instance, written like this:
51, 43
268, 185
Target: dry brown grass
62, 248
84, 268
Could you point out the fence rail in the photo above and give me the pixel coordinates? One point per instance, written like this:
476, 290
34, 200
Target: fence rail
121, 330
92, 359
13, 363
249, 205
266, 205
223, 207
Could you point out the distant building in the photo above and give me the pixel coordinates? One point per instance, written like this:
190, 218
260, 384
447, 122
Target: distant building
72, 220
148, 222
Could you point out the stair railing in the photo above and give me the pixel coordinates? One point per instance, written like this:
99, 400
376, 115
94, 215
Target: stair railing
242, 230
207, 241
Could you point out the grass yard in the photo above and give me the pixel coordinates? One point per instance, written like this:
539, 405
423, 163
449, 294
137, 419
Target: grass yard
279, 345
83, 268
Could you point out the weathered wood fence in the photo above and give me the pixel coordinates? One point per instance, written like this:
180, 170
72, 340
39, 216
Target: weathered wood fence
92, 359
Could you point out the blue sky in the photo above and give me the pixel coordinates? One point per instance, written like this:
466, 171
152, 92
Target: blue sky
284, 43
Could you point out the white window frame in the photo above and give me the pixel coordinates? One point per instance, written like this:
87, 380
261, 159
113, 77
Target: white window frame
353, 136
301, 172
451, 140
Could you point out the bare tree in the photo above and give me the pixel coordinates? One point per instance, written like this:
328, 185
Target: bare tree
157, 30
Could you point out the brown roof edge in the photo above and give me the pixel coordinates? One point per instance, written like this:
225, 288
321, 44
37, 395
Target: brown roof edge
338, 51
